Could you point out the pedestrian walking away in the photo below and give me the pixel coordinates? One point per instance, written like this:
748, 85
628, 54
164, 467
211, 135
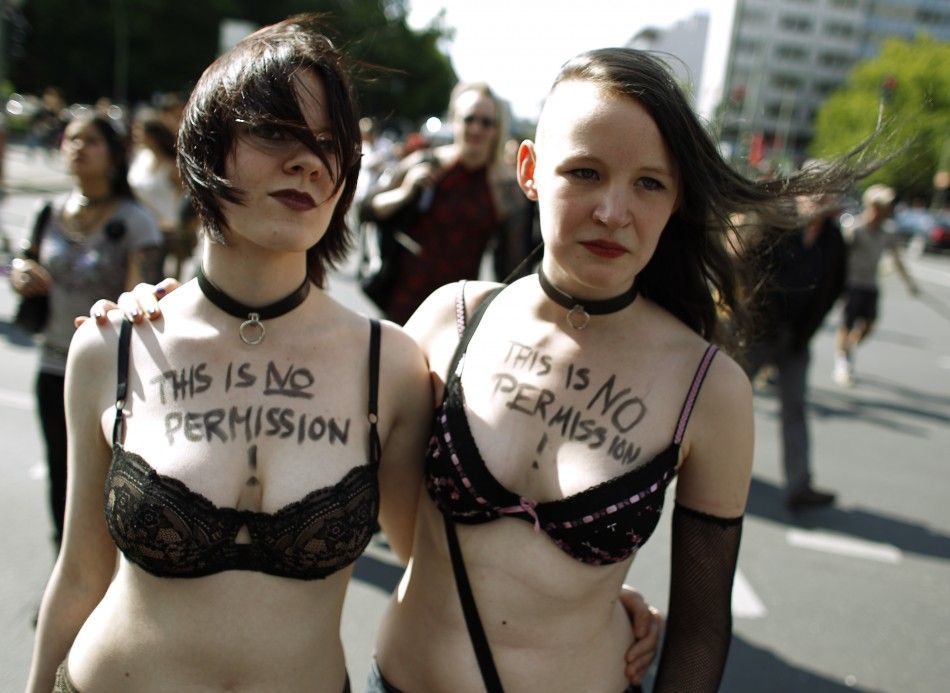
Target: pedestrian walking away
805, 273
867, 239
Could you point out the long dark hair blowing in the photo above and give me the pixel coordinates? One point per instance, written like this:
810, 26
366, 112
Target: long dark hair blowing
691, 273
118, 153
254, 83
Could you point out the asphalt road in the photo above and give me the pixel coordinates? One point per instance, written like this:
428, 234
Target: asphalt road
855, 597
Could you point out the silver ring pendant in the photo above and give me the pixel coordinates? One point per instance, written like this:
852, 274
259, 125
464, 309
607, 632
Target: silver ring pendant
577, 317
252, 330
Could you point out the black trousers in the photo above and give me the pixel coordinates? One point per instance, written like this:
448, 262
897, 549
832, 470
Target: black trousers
50, 389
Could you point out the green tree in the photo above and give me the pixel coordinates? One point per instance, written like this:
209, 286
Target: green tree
133, 48
911, 82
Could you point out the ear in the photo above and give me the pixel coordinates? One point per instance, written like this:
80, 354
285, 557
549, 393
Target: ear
526, 163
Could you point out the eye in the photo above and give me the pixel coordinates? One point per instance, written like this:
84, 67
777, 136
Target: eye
648, 183
268, 133
584, 174
326, 145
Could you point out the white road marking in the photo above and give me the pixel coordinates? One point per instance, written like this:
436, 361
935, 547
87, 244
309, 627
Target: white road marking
745, 602
16, 400
843, 546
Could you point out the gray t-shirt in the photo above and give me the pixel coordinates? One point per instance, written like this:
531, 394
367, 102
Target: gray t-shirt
866, 245
87, 268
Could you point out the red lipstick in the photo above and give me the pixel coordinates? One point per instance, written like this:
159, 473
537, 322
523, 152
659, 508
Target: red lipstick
605, 249
294, 199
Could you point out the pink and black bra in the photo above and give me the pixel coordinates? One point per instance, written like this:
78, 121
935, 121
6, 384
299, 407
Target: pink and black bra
601, 525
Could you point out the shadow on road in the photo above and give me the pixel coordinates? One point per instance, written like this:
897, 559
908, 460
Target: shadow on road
885, 403
753, 668
767, 501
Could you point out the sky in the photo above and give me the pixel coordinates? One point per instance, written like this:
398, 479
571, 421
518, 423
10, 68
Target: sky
517, 46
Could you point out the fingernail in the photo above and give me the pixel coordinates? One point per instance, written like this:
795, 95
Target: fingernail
135, 313
153, 311
159, 291
98, 315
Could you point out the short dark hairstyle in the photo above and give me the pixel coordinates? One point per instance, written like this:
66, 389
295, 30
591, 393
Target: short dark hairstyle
118, 152
691, 273
255, 82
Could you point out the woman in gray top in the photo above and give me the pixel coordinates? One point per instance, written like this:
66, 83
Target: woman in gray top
96, 238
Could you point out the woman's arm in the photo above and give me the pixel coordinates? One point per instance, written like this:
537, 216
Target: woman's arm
711, 494
406, 392
415, 173
87, 557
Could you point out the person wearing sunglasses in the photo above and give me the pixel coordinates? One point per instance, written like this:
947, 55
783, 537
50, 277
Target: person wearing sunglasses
445, 204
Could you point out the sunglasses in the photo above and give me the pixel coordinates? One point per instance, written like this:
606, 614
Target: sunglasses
484, 121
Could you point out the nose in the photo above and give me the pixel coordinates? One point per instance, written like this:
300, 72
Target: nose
302, 160
614, 209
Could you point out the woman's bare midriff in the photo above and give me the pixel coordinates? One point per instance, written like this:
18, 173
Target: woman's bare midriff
553, 623
232, 631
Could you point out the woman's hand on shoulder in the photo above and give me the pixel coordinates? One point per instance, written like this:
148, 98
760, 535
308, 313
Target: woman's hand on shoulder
136, 305
717, 468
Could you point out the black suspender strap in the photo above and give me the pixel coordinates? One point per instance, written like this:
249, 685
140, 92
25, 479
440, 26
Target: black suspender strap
473, 622
375, 448
122, 379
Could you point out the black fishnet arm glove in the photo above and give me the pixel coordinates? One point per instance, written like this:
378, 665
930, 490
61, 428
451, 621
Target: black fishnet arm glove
699, 624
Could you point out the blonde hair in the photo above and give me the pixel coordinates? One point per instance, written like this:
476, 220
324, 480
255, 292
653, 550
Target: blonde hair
501, 115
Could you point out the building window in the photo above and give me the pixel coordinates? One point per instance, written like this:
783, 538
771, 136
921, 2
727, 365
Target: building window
932, 17
752, 15
797, 24
786, 81
839, 29
788, 51
834, 60
747, 45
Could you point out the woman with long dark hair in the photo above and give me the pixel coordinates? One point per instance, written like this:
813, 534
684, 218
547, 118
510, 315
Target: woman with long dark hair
96, 238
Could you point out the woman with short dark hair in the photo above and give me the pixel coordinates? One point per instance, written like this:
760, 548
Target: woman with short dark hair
249, 435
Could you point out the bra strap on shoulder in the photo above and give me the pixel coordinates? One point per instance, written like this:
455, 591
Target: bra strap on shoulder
122, 379
460, 309
694, 387
375, 448
470, 328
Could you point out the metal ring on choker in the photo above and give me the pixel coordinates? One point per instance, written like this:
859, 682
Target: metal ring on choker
252, 330
579, 311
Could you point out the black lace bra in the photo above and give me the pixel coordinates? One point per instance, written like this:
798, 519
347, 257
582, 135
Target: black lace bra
600, 525
170, 531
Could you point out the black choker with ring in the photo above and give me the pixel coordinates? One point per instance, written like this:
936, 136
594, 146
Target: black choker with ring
579, 311
252, 330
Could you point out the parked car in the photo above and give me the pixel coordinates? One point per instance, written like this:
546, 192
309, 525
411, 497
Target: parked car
910, 222
938, 240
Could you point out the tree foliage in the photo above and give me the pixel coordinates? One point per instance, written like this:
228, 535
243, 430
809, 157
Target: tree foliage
911, 82
169, 42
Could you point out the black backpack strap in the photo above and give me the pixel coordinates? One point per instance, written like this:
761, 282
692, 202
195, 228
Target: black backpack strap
122, 380
473, 622
375, 448
39, 228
